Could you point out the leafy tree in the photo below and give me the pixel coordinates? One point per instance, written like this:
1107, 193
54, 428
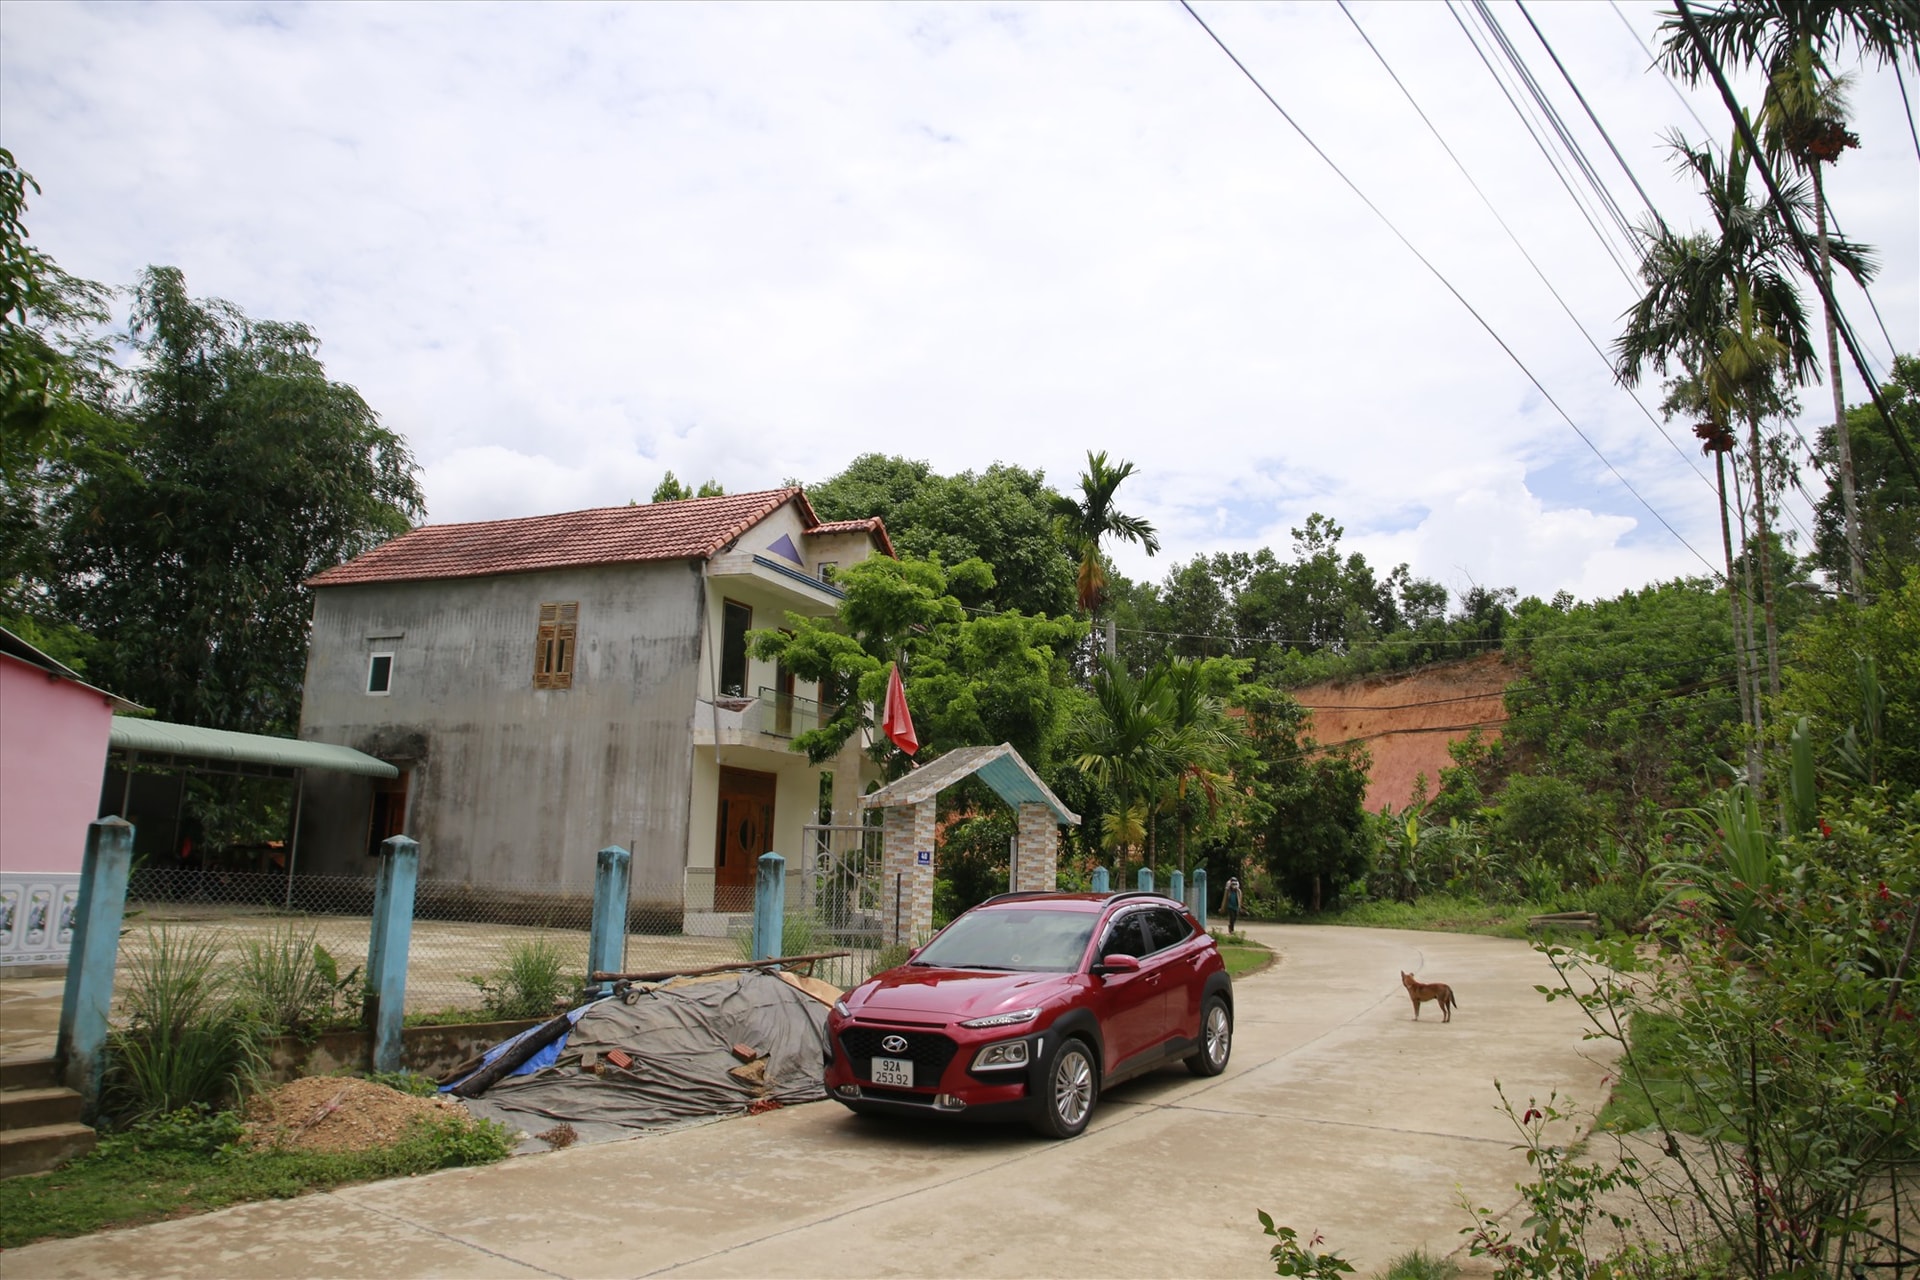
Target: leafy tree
55, 392
1315, 835
970, 681
246, 471
672, 489
1888, 498
1121, 741
1002, 515
1855, 670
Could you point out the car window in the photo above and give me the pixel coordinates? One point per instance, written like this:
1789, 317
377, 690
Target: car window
1015, 938
1124, 937
1165, 927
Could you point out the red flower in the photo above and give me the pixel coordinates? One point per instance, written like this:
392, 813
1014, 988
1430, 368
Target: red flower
1825, 830
1533, 1113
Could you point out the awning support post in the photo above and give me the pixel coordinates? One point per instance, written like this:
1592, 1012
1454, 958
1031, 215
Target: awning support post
293, 839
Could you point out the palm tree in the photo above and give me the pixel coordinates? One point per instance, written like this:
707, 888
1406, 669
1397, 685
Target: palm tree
1093, 517
1804, 118
1794, 42
1120, 742
1724, 307
1198, 739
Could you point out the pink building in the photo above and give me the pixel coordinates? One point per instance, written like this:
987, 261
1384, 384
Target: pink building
53, 752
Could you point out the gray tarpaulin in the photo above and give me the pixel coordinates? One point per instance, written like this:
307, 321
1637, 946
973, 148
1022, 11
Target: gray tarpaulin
680, 1038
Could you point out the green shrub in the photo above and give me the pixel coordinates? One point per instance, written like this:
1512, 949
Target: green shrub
531, 982
289, 982
1420, 1265
188, 1042
888, 958
801, 934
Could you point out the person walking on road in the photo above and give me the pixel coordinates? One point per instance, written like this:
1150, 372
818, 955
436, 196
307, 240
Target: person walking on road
1230, 903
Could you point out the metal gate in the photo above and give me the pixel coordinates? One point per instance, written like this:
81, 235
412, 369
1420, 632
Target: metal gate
841, 890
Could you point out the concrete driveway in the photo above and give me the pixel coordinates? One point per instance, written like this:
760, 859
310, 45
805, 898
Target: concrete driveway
1339, 1114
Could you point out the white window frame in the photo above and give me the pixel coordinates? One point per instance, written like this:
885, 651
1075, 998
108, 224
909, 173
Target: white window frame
373, 660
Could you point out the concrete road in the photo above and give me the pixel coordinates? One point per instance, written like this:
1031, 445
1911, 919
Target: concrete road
1339, 1114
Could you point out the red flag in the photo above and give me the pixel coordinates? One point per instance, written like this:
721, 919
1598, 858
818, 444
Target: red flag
897, 723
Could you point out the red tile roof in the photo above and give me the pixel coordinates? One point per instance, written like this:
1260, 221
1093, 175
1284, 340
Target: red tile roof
872, 525
692, 529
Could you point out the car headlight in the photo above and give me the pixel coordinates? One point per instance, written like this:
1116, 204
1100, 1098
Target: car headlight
840, 1008
1014, 1019
996, 1057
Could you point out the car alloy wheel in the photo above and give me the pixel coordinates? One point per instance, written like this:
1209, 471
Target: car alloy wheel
1216, 1039
1072, 1087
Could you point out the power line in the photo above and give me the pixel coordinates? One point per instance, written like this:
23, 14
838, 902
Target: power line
1511, 235
1448, 285
1792, 224
1621, 160
1612, 252
1907, 102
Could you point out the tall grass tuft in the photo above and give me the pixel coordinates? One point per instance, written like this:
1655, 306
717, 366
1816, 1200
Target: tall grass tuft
801, 933
532, 981
289, 981
187, 1042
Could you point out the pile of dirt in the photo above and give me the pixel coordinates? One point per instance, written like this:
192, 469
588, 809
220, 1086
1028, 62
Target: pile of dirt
336, 1113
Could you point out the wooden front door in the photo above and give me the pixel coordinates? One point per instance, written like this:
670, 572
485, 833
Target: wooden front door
745, 832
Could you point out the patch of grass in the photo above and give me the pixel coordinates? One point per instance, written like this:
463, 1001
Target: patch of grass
1420, 1265
1439, 912
532, 981
1242, 955
191, 1162
289, 982
1658, 1049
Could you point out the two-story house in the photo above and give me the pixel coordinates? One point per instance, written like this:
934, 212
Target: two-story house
552, 685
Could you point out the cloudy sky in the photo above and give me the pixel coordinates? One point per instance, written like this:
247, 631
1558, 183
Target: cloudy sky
565, 248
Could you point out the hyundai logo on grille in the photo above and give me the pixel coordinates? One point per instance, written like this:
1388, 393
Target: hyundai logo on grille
894, 1044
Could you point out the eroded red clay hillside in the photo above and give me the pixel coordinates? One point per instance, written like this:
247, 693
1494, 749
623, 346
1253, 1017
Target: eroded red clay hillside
1407, 719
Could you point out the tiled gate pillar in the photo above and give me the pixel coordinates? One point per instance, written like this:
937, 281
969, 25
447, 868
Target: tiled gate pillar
1038, 850
907, 859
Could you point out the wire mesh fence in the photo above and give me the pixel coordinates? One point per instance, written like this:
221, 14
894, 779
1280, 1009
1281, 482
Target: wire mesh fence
473, 947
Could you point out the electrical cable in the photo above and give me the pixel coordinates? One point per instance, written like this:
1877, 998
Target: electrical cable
1546, 153
1511, 235
1566, 75
1792, 224
1449, 286
1908, 104
1578, 153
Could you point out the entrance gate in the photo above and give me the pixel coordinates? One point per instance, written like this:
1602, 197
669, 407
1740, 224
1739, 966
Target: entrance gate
841, 889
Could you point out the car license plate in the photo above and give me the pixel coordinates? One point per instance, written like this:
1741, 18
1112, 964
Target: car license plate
894, 1072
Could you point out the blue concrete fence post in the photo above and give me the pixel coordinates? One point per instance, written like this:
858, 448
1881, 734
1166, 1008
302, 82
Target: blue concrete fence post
1200, 895
386, 1007
1101, 884
1177, 887
607, 939
82, 1042
1143, 879
769, 906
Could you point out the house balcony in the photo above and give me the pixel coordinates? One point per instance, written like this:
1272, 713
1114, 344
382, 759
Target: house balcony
769, 720
769, 581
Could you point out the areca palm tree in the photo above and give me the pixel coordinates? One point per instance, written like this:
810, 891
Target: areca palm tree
1795, 43
1804, 118
1092, 517
1198, 740
1120, 741
1723, 306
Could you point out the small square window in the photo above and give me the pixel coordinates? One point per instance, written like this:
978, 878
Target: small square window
380, 673
828, 571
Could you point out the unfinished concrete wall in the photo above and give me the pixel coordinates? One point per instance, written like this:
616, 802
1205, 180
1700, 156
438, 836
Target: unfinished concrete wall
508, 783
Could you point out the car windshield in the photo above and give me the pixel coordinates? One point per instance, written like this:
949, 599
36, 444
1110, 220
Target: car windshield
1013, 938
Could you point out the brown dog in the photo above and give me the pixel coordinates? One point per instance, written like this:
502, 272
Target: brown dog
1421, 992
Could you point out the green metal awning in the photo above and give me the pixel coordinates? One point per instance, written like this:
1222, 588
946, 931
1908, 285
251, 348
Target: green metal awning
1001, 768
157, 742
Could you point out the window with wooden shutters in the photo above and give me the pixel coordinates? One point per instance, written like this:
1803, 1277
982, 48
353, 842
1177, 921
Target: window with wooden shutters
553, 656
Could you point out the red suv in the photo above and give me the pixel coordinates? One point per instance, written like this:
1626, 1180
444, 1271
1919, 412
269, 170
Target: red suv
1030, 1004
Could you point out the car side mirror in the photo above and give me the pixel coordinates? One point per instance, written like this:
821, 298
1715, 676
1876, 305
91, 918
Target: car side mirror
1116, 964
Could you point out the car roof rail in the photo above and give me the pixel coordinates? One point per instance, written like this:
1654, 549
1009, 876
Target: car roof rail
1018, 893
1142, 893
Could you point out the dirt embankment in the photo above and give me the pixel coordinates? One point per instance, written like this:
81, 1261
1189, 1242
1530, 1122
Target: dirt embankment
1406, 719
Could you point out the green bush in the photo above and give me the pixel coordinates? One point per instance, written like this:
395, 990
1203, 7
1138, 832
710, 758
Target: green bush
801, 934
533, 980
289, 982
188, 1042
